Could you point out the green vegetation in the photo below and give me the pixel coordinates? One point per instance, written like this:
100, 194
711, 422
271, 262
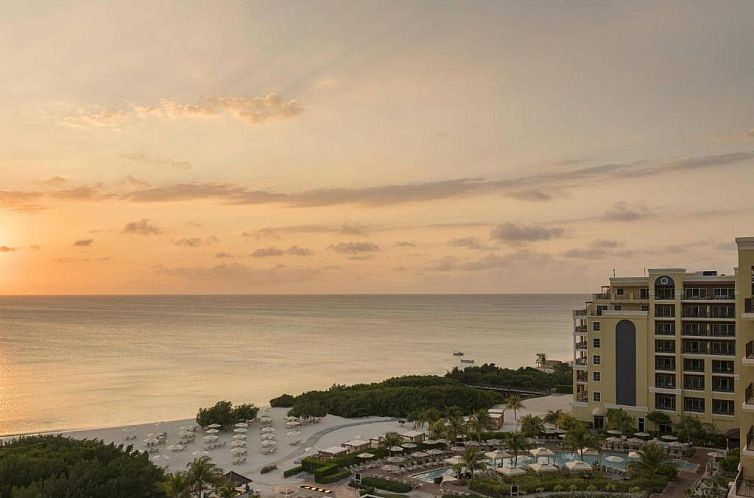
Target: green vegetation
579, 437
618, 419
225, 414
46, 466
532, 426
386, 484
334, 477
397, 397
561, 481
692, 430
267, 469
729, 463
489, 374
200, 478
293, 471
653, 464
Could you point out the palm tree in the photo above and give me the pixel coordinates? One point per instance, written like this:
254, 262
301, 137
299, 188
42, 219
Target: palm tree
532, 426
391, 439
473, 458
456, 427
619, 420
177, 485
437, 429
513, 402
566, 421
516, 442
579, 437
480, 421
552, 416
203, 475
651, 458
541, 359
659, 419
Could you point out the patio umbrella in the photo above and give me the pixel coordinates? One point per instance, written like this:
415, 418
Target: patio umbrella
210, 439
497, 455
268, 429
395, 449
634, 455
448, 476
237, 444
242, 424
669, 437
214, 426
419, 454
443, 441
212, 431
642, 434
365, 456
269, 444
175, 447
457, 448
471, 443
237, 451
293, 423
614, 432
589, 452
456, 460
635, 441
542, 452
267, 437
293, 433
198, 454
434, 452
430, 442
578, 466
395, 459
239, 436
408, 446
240, 430
390, 468
493, 442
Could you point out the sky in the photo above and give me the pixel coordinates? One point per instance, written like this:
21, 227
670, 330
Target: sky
370, 146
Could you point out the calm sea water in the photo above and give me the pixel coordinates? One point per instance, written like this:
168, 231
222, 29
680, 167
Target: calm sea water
83, 362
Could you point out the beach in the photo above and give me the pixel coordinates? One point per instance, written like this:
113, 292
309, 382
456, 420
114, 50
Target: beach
329, 431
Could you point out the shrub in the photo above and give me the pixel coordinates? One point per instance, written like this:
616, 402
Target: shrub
325, 470
730, 462
283, 401
293, 471
268, 468
334, 477
309, 464
224, 414
386, 484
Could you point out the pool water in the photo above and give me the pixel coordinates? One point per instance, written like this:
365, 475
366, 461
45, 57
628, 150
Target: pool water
430, 475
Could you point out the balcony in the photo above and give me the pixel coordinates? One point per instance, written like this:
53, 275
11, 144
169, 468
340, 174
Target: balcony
582, 397
601, 296
579, 363
749, 398
748, 309
579, 329
742, 487
582, 376
582, 345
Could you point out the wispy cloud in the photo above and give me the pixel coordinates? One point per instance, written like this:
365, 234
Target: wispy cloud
247, 109
267, 252
83, 242
740, 136
535, 195
356, 229
598, 249
142, 157
8, 249
517, 234
467, 242
355, 248
197, 241
142, 227
623, 211
488, 262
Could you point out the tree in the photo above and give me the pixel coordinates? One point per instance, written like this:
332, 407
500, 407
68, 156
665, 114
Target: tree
617, 419
437, 429
177, 485
579, 437
566, 421
551, 417
516, 442
652, 462
532, 426
541, 359
689, 428
203, 475
391, 439
245, 412
479, 422
456, 428
659, 419
513, 402
473, 458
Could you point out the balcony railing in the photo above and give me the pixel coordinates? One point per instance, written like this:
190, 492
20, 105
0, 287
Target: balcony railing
580, 361
750, 439
748, 307
744, 487
750, 350
580, 329
582, 345
582, 397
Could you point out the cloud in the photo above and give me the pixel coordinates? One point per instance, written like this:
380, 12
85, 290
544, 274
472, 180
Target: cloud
488, 262
535, 195
132, 181
274, 252
238, 276
598, 249
356, 229
405, 243
196, 241
247, 109
223, 255
24, 202
54, 181
8, 249
355, 248
623, 211
467, 242
142, 227
142, 157
741, 136
516, 234
81, 260
83, 242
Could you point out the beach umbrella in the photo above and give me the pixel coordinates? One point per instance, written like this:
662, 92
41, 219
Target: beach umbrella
212, 431
237, 444
290, 418
241, 424
419, 454
430, 442
456, 460
395, 459
293, 423
614, 432
237, 451
240, 430
267, 437
434, 452
198, 454
669, 437
493, 442
577, 466
391, 468
293, 433
239, 436
408, 446
497, 455
268, 429
268, 444
214, 426
175, 447
150, 441
365, 456
457, 449
443, 441
471, 443
634, 455
614, 459
542, 452
210, 439
642, 434
613, 439
395, 449
448, 476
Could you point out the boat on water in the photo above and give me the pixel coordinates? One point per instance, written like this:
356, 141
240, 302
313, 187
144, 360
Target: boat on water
467, 360
457, 353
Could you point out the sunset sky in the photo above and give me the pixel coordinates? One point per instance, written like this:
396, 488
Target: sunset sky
355, 146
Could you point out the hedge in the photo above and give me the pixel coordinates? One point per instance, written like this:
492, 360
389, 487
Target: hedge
293, 471
330, 478
325, 470
311, 463
386, 484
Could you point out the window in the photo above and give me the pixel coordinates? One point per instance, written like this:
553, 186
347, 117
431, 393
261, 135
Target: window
665, 310
619, 291
695, 293
601, 308
694, 347
694, 328
599, 422
694, 382
724, 293
724, 311
664, 328
665, 381
617, 307
724, 329
664, 363
596, 396
644, 293
664, 346
596, 359
722, 384
595, 343
695, 311
723, 347
645, 307
722, 366
596, 376
693, 365
693, 404
596, 326
665, 401
722, 406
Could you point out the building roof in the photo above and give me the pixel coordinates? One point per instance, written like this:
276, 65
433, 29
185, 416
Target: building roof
413, 434
355, 442
335, 450
237, 478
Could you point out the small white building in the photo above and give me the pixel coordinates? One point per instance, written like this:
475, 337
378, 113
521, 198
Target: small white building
333, 452
414, 436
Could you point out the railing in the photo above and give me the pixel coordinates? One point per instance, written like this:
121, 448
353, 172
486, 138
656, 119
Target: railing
582, 345
580, 329
744, 487
582, 397
601, 295
750, 350
750, 439
580, 361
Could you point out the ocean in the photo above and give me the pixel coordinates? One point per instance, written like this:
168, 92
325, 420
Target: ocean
81, 362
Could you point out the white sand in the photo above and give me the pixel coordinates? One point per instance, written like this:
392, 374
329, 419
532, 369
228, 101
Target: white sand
331, 431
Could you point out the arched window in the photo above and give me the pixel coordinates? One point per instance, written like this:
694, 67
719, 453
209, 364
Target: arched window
664, 288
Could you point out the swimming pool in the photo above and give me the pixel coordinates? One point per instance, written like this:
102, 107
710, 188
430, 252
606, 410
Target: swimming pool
430, 475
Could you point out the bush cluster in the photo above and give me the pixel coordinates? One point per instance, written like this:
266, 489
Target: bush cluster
334, 477
268, 468
534, 483
225, 414
530, 378
386, 484
293, 471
